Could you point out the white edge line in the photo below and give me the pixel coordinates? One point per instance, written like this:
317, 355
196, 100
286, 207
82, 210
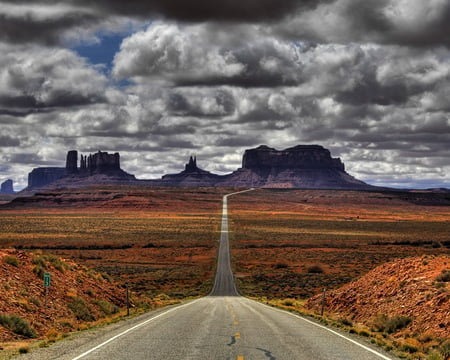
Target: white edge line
131, 329
328, 329
151, 319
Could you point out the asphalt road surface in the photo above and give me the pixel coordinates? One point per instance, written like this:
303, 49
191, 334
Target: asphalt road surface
222, 325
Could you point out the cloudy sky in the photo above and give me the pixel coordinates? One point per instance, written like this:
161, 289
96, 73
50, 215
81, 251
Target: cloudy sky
161, 80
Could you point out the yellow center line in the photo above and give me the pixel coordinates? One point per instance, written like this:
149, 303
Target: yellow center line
237, 335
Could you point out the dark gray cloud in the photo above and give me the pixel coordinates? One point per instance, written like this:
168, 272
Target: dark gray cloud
367, 79
415, 23
8, 141
26, 28
193, 10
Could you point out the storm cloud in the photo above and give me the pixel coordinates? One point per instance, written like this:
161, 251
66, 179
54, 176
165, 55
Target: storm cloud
367, 79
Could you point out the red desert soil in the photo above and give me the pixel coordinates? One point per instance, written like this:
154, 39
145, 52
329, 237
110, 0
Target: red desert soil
22, 293
417, 288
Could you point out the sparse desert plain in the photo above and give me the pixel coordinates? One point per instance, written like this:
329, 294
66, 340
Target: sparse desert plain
285, 244
294, 243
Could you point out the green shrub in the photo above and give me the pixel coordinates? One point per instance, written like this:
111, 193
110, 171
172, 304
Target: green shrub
107, 307
80, 309
39, 271
34, 300
281, 265
444, 349
288, 302
434, 356
24, 350
17, 325
383, 323
364, 333
39, 260
315, 269
11, 260
57, 263
444, 276
346, 322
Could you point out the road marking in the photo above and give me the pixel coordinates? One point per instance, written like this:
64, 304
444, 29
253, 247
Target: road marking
237, 335
328, 329
131, 329
240, 357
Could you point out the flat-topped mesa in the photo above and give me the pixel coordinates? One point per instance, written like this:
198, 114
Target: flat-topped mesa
98, 163
7, 187
302, 166
264, 158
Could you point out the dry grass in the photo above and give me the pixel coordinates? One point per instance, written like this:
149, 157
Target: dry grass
166, 245
343, 233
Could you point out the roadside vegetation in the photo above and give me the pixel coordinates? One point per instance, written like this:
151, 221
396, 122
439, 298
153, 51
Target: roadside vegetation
287, 246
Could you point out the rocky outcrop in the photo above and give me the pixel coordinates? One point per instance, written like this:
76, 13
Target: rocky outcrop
43, 176
302, 166
264, 159
97, 163
7, 187
191, 176
103, 166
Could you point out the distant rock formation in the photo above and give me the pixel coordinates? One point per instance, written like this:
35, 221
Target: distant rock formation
302, 166
264, 159
43, 176
7, 187
100, 163
191, 176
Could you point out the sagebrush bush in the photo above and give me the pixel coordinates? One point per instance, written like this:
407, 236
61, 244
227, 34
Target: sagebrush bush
315, 269
444, 276
107, 307
39, 271
80, 309
288, 302
17, 325
11, 260
383, 323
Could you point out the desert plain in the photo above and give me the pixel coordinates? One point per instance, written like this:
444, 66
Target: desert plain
285, 243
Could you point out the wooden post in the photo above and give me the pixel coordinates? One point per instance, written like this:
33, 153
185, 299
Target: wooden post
128, 301
323, 302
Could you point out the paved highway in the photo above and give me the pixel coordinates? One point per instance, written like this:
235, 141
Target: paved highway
222, 325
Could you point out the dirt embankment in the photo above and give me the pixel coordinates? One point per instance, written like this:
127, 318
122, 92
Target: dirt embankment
414, 288
76, 296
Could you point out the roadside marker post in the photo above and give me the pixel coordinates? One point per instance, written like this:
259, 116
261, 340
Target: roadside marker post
128, 301
323, 302
47, 281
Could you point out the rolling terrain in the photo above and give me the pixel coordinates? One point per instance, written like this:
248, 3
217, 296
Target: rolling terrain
284, 243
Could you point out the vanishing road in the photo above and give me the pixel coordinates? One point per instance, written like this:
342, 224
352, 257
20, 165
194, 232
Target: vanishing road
222, 325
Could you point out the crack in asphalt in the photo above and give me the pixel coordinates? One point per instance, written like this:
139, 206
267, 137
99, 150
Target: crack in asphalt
267, 353
233, 341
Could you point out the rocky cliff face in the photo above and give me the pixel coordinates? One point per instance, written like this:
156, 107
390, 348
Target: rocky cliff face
191, 176
264, 159
101, 163
7, 187
302, 166
40, 177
